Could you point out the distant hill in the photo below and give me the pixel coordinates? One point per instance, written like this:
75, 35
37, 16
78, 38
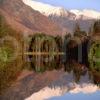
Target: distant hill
23, 18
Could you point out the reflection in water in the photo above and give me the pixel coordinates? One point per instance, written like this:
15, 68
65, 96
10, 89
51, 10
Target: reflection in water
45, 54
64, 85
47, 92
77, 78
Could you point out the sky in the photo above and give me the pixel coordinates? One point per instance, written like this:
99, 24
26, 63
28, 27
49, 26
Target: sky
79, 96
75, 4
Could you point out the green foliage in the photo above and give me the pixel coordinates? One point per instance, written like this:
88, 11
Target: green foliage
8, 68
45, 44
94, 56
5, 54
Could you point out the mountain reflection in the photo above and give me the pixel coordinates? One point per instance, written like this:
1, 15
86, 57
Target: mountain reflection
76, 76
65, 84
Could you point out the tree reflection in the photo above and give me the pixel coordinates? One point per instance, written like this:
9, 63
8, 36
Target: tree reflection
46, 56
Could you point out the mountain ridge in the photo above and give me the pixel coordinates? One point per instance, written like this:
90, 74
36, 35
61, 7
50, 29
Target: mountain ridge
27, 20
64, 18
48, 10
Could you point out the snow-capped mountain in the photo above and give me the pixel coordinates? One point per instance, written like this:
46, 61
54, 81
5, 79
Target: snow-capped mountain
66, 19
88, 13
48, 10
45, 9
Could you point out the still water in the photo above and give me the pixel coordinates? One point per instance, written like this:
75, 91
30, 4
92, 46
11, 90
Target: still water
64, 87
69, 80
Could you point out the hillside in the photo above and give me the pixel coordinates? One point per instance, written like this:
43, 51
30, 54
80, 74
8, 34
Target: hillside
66, 19
23, 18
